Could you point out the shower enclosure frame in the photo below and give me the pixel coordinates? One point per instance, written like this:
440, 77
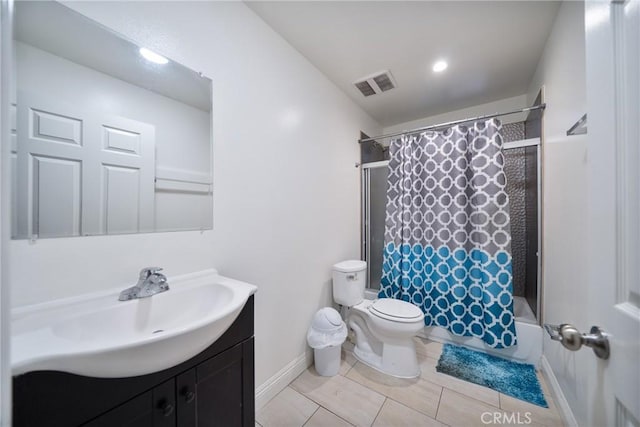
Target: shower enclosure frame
365, 220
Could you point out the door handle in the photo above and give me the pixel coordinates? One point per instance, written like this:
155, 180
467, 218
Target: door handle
571, 338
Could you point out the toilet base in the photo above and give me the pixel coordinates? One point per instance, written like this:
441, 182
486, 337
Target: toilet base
383, 344
388, 362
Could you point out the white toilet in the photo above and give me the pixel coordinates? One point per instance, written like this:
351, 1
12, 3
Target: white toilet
384, 328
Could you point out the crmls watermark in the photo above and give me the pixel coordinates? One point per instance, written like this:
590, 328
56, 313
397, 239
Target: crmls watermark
506, 418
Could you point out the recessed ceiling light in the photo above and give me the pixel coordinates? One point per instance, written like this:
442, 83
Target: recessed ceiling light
152, 56
440, 66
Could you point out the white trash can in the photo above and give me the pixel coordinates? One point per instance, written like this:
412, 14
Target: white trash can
326, 335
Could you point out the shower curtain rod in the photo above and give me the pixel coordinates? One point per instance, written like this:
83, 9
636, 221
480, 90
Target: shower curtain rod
455, 122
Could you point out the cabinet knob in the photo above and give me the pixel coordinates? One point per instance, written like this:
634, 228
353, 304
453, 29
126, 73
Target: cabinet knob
188, 395
166, 408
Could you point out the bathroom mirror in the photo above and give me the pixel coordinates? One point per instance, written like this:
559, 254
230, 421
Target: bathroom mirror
108, 137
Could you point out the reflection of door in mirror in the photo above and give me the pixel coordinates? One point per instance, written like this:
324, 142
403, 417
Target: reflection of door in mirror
105, 141
81, 172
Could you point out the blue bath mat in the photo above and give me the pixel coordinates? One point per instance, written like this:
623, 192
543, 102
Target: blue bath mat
515, 379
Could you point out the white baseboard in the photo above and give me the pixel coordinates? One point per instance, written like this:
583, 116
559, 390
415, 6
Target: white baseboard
274, 385
563, 406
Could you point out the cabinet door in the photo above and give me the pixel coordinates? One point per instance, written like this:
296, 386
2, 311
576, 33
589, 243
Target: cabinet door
138, 412
221, 390
186, 398
155, 408
164, 404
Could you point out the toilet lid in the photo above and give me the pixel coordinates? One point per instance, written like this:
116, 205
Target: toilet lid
402, 310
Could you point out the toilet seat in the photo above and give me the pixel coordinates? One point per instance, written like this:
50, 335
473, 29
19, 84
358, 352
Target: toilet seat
395, 310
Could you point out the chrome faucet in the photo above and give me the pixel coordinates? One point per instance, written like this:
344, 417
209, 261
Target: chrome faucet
150, 282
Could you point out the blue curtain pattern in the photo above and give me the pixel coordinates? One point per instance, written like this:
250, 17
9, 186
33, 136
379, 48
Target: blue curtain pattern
447, 231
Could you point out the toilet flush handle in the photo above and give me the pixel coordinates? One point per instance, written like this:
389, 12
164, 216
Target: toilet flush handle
353, 276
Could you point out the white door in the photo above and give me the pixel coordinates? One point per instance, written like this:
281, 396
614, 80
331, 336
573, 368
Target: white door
81, 172
122, 165
613, 92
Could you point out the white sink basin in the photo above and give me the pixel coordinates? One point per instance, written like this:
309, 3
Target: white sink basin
98, 336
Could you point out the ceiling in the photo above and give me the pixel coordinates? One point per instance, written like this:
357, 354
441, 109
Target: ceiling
55, 28
492, 48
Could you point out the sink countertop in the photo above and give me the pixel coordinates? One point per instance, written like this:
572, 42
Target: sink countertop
97, 335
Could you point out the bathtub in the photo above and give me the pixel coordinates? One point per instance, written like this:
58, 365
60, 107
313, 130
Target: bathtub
529, 333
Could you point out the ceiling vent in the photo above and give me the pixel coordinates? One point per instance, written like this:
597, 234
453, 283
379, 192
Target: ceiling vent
376, 83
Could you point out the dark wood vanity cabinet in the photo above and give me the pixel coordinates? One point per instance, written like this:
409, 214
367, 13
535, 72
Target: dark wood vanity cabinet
214, 388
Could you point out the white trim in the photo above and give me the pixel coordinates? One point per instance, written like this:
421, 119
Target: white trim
169, 174
278, 382
175, 186
558, 396
627, 132
521, 143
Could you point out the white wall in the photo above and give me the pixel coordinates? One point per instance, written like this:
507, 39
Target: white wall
286, 193
6, 88
182, 132
562, 72
499, 106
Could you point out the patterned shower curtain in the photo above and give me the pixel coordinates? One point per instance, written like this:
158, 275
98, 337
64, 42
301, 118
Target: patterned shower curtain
447, 233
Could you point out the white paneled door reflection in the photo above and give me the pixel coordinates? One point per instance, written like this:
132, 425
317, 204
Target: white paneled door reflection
81, 173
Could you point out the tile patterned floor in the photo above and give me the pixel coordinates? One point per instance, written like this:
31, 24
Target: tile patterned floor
361, 396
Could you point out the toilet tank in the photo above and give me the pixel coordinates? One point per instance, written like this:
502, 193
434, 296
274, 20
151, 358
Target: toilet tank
349, 281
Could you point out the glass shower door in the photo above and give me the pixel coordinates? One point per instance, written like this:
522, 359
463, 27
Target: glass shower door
374, 199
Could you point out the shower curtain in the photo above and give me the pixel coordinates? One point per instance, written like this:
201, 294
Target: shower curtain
447, 233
